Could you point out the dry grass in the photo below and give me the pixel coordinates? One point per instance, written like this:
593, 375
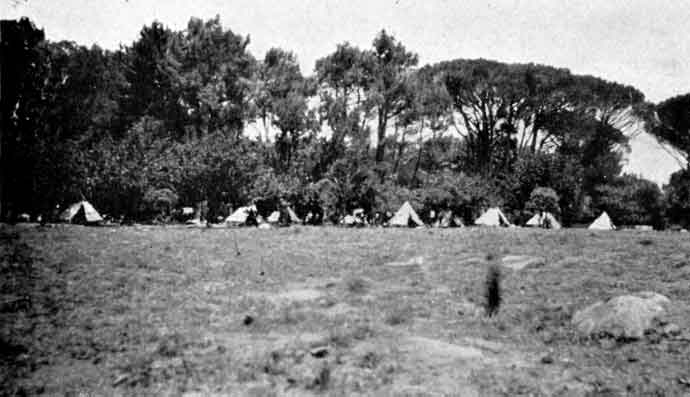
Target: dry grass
150, 311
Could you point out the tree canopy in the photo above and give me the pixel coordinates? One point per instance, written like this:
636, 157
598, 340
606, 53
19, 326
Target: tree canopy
162, 122
672, 123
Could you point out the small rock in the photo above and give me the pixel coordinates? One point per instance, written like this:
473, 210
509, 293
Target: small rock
176, 362
633, 359
305, 374
259, 389
547, 359
681, 264
672, 330
625, 317
312, 340
158, 364
607, 343
326, 302
468, 309
120, 380
416, 261
547, 337
319, 351
248, 320
654, 337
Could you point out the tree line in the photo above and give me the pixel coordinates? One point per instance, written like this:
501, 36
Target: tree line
163, 122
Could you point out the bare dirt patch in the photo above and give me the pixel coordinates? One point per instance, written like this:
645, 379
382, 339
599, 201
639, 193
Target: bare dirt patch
295, 295
439, 352
520, 262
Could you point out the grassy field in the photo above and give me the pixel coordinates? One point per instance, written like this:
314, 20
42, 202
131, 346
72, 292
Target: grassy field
329, 311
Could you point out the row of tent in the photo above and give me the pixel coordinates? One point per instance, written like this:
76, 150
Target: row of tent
406, 216
242, 215
85, 213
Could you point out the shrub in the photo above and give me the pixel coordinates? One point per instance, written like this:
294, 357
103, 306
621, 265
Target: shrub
678, 196
630, 200
160, 201
543, 199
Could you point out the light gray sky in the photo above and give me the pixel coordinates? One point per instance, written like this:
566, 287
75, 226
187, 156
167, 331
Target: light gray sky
639, 42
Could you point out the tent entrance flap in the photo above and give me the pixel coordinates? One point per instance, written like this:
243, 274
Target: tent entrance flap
82, 212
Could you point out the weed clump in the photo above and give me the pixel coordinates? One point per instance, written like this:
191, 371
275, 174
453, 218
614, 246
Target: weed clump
346, 335
399, 315
356, 285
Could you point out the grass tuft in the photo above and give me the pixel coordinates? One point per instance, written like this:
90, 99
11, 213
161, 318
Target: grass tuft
344, 336
356, 285
399, 315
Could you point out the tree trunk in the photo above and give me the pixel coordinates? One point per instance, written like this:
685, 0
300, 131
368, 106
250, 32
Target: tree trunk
381, 133
534, 141
419, 154
401, 146
2, 127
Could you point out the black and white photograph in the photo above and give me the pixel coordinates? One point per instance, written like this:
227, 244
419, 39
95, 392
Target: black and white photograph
397, 198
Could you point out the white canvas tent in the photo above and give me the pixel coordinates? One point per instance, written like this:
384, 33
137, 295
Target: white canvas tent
545, 220
349, 220
240, 216
603, 222
81, 212
492, 217
406, 216
274, 217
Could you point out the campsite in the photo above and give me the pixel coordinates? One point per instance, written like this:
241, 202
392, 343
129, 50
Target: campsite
344, 198
151, 310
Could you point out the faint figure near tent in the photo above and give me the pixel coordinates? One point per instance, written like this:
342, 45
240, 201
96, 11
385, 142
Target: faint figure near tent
252, 217
55, 215
545, 220
378, 219
359, 216
447, 219
203, 210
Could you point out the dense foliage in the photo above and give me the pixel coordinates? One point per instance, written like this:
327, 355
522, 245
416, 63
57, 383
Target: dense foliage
164, 123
